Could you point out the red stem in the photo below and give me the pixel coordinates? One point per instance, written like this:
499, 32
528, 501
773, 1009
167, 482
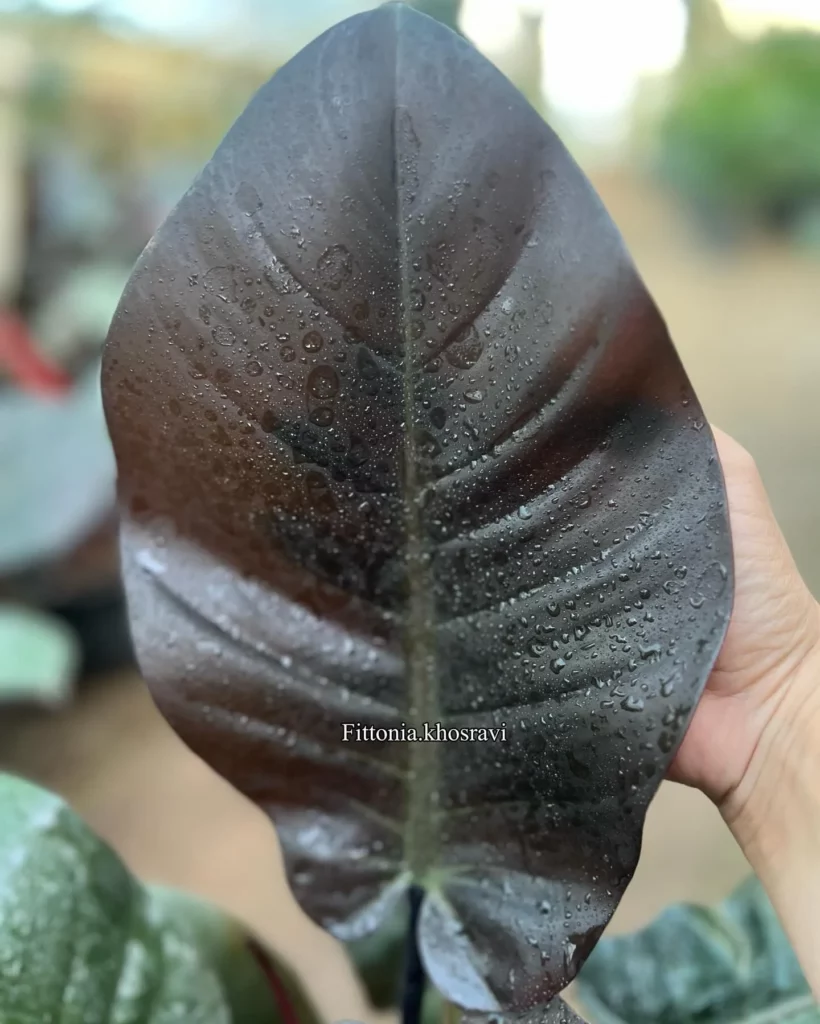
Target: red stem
278, 987
24, 364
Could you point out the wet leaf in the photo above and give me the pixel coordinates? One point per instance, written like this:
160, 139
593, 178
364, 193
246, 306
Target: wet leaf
556, 1013
487, 500
731, 964
81, 941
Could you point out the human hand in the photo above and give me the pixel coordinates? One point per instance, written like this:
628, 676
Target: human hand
773, 637
753, 745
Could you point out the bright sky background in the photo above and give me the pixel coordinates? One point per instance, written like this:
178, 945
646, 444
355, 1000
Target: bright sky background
488, 18
754, 16
595, 52
596, 73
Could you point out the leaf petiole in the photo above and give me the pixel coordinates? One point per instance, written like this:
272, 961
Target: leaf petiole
414, 976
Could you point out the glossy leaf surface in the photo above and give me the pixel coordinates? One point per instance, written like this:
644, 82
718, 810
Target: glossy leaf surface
82, 942
402, 439
731, 964
556, 1013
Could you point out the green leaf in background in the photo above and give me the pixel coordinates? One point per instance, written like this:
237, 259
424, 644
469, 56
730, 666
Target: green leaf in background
742, 141
379, 959
79, 311
58, 472
39, 656
729, 965
445, 11
82, 942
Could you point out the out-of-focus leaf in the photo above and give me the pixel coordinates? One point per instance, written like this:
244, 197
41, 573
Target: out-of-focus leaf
379, 959
248, 980
445, 11
79, 312
806, 228
56, 472
403, 439
39, 656
696, 965
81, 942
435, 1010
742, 140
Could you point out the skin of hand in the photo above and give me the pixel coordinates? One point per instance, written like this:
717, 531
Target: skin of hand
753, 745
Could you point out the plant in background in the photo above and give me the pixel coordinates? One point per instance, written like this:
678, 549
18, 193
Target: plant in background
39, 657
445, 11
83, 943
727, 965
741, 139
410, 540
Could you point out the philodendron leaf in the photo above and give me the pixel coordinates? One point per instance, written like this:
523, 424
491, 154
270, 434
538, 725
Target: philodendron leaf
556, 1013
81, 942
696, 965
402, 440
379, 959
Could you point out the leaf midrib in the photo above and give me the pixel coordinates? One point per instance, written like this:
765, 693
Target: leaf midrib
421, 830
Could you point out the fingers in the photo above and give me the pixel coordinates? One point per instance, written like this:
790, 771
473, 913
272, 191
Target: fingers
775, 621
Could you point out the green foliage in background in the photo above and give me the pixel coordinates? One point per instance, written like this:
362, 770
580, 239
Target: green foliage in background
39, 657
379, 960
730, 964
742, 139
445, 11
82, 942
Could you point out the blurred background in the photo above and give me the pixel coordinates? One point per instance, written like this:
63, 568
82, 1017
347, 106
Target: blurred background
699, 123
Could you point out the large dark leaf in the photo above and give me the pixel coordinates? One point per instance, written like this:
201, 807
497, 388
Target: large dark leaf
730, 964
556, 1013
402, 439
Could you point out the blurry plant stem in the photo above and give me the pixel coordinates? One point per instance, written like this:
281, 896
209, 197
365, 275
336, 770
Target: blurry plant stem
452, 1014
414, 978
